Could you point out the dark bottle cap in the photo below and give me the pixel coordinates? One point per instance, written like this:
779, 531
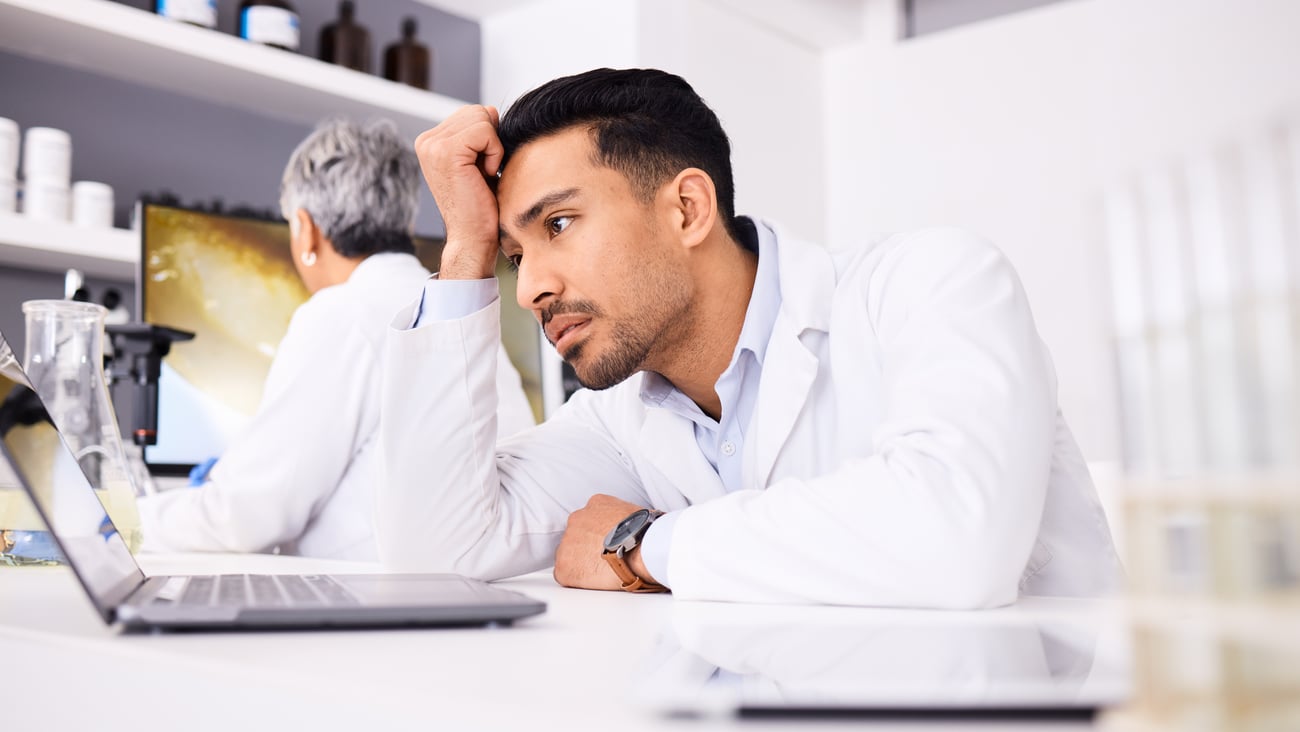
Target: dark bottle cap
408, 27
347, 9
111, 298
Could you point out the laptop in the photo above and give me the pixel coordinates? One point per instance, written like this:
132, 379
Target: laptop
35, 458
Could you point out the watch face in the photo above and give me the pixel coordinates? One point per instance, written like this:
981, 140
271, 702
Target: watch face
626, 529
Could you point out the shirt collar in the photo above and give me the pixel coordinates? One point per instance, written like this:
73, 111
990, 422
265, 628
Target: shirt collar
765, 301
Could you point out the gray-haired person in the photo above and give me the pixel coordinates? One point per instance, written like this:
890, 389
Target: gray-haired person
300, 477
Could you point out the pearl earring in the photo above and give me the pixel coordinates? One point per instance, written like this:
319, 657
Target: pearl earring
308, 259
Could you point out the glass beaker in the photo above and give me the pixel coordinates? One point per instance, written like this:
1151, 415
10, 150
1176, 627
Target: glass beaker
65, 364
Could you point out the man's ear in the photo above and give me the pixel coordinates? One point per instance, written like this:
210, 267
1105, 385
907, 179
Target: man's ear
304, 233
695, 203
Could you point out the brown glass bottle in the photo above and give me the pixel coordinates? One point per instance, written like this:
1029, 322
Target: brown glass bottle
407, 61
270, 22
345, 42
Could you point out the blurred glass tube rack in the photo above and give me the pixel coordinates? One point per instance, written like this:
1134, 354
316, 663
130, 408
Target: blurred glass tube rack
1204, 255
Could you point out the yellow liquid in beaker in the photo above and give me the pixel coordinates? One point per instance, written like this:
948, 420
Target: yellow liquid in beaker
18, 514
119, 501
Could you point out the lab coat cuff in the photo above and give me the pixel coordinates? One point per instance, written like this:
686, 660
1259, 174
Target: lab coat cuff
453, 299
654, 546
153, 511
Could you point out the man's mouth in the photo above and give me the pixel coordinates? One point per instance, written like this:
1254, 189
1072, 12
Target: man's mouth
563, 331
566, 322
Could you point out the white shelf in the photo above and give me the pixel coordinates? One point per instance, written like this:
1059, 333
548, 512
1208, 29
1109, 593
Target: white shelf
56, 245
140, 47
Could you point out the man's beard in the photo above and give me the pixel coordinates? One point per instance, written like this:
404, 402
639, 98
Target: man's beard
623, 358
632, 341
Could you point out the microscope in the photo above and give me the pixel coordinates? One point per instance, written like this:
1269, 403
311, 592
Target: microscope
138, 351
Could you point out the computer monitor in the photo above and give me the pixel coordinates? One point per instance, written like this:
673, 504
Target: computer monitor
231, 281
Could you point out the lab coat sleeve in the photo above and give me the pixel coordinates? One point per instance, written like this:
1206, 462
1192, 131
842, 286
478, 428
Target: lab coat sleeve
944, 511
272, 480
454, 299
457, 499
514, 413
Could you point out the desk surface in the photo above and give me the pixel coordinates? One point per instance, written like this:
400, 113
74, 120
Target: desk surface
584, 664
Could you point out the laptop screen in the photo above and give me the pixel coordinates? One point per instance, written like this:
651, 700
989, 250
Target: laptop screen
34, 457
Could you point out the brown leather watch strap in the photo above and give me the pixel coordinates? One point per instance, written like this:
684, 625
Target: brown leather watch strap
630, 580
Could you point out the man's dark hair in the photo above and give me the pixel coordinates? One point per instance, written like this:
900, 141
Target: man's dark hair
647, 124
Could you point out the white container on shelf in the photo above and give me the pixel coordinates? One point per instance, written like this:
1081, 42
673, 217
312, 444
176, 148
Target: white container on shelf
45, 199
92, 204
47, 155
270, 25
8, 195
199, 12
8, 149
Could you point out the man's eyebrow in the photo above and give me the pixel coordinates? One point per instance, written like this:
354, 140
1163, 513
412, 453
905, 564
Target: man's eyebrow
527, 217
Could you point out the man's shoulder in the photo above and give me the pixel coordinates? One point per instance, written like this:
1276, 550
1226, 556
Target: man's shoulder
820, 283
935, 247
915, 261
933, 244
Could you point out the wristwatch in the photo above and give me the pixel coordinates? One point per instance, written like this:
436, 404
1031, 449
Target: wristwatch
623, 539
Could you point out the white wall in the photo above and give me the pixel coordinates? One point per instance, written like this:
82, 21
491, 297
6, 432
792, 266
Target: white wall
767, 89
534, 43
1013, 127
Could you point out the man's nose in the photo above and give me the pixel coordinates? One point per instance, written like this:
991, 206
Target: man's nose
537, 283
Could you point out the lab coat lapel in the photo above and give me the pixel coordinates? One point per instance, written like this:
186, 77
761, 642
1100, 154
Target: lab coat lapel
670, 446
788, 373
807, 277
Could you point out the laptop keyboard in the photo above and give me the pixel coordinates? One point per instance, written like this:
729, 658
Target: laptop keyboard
265, 590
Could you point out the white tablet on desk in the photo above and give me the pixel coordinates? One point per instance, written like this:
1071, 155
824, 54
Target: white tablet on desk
1044, 659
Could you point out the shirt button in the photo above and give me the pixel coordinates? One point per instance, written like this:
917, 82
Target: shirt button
728, 449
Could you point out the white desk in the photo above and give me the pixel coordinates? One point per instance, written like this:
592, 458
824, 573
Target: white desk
578, 666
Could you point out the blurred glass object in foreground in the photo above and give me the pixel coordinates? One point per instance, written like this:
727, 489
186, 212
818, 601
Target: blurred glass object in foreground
1204, 256
64, 359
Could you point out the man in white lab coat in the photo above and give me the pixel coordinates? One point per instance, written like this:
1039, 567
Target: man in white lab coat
872, 427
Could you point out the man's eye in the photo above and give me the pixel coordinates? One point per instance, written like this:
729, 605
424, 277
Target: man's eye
557, 225
514, 260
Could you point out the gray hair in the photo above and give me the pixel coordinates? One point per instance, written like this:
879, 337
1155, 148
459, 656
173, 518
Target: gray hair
359, 184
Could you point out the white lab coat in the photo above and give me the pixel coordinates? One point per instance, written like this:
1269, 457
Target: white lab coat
301, 476
906, 448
